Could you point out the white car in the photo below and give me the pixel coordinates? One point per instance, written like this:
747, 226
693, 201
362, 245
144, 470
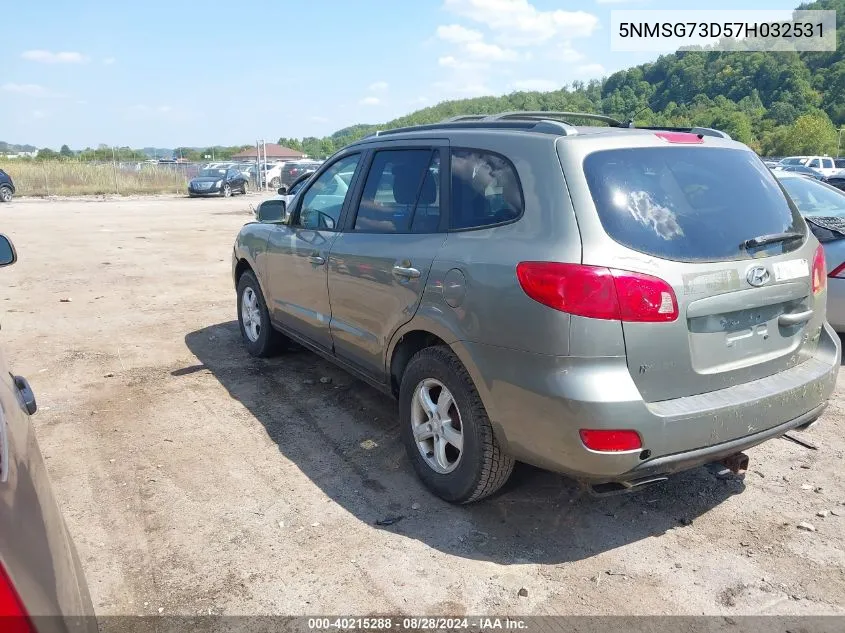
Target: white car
822, 164
273, 175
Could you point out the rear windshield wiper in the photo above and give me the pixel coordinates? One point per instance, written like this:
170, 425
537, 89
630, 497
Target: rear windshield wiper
772, 238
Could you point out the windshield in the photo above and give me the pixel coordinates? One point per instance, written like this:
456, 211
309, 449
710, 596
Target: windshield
814, 198
689, 204
212, 173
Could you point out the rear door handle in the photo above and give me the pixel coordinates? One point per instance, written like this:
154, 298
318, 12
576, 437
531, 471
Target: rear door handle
406, 272
794, 318
317, 260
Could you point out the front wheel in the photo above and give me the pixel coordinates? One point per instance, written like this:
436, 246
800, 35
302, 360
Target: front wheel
446, 431
226, 191
260, 338
5, 194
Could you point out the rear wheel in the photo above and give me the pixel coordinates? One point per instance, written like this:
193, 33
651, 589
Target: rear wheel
245, 187
274, 183
259, 337
5, 194
446, 431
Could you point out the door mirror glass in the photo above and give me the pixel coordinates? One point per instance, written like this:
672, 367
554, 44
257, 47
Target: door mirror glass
272, 211
8, 255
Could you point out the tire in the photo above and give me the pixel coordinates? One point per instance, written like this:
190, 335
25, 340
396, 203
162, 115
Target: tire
481, 467
5, 194
266, 341
245, 187
275, 182
226, 190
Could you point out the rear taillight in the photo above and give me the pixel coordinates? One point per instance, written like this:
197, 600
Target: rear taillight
614, 441
820, 271
598, 292
13, 613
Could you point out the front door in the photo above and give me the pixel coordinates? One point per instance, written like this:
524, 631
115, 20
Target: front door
298, 296
379, 265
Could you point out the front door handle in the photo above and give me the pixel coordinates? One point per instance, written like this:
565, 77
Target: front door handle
317, 260
406, 272
794, 318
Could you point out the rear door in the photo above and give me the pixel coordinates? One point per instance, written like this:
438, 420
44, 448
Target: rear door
685, 214
380, 263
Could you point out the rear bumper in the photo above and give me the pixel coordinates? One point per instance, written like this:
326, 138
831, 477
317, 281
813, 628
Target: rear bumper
538, 404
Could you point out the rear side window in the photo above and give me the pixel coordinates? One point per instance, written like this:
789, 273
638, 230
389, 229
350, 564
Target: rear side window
401, 194
485, 190
690, 204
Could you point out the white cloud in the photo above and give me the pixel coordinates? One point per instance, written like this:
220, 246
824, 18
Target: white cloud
490, 52
564, 53
318, 119
379, 86
458, 34
370, 101
31, 90
418, 100
520, 23
49, 57
108, 61
594, 70
543, 85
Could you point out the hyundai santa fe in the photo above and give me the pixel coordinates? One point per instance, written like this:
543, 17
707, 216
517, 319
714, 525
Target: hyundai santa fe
612, 303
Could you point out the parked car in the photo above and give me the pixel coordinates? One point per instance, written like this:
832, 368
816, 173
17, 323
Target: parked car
823, 206
287, 193
221, 181
824, 165
41, 579
837, 181
293, 169
839, 163
273, 175
800, 169
7, 187
660, 307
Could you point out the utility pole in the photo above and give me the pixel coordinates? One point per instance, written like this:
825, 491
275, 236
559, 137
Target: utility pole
114, 167
839, 142
264, 144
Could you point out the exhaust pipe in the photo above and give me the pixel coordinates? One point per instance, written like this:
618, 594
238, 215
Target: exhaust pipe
736, 463
613, 488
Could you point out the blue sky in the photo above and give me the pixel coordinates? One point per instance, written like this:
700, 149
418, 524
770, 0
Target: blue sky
157, 73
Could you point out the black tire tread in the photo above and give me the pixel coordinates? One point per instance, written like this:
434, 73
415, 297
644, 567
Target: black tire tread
496, 464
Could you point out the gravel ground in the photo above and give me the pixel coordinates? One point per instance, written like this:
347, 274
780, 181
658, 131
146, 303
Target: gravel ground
196, 479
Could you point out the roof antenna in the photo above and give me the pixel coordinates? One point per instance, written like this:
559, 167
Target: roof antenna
629, 122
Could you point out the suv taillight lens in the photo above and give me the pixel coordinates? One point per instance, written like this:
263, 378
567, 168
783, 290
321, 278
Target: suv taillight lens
12, 612
598, 292
820, 271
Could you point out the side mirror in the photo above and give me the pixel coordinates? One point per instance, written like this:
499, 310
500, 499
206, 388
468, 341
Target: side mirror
272, 213
282, 190
8, 255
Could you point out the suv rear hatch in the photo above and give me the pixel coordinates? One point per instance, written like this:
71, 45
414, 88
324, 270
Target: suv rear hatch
734, 253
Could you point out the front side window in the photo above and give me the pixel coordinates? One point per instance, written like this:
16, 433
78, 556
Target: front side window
401, 193
814, 163
323, 200
485, 190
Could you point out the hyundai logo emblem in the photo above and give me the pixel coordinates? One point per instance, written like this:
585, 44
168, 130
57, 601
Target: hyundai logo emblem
757, 275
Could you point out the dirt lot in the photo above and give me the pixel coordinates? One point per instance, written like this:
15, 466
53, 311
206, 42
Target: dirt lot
198, 480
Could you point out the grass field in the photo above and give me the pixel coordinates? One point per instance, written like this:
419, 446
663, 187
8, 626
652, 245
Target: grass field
60, 178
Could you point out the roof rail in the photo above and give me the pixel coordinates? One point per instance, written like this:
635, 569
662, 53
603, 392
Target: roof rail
529, 124
555, 116
703, 131
464, 117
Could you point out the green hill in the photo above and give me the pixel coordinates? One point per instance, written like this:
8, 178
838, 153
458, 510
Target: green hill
778, 103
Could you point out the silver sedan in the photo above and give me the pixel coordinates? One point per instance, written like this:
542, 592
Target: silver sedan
823, 207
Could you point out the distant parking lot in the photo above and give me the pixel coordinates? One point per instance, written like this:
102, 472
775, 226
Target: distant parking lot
196, 479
